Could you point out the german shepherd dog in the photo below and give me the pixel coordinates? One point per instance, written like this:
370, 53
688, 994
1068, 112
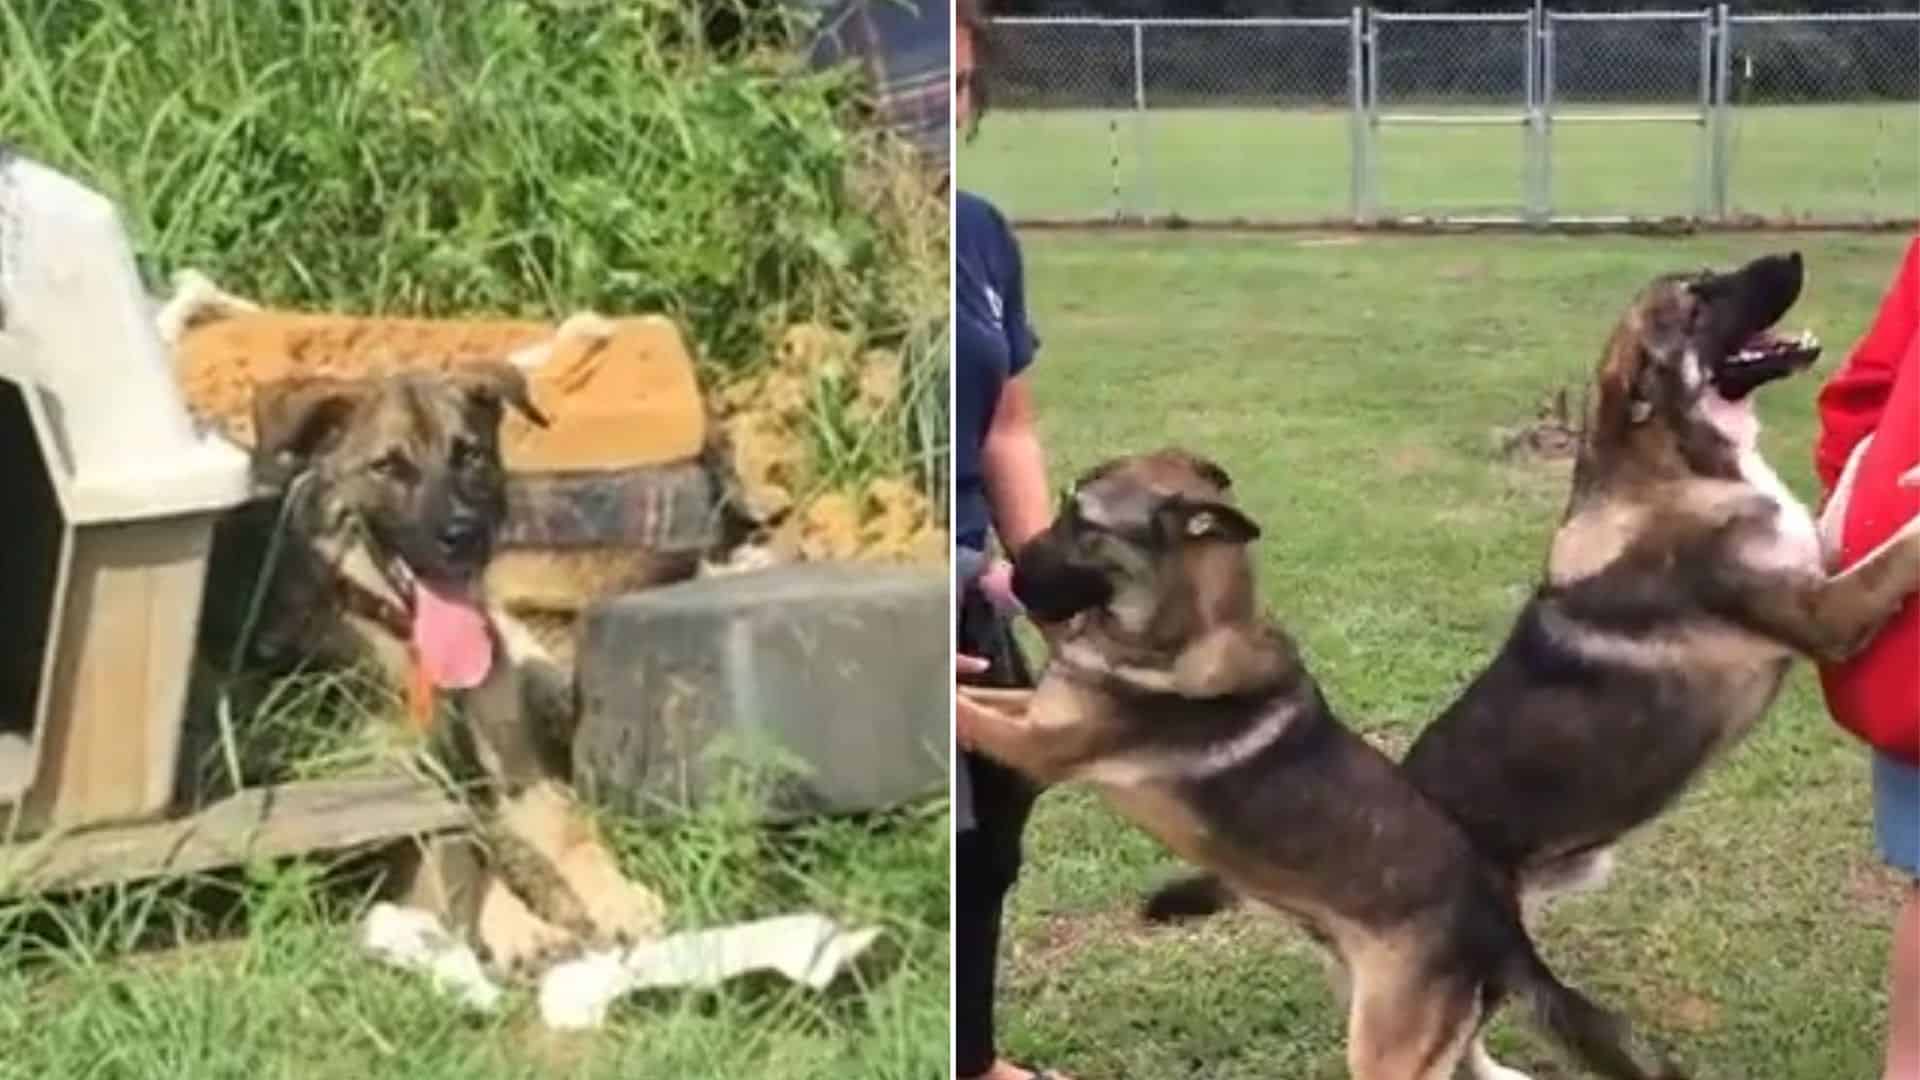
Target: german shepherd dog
1197, 720
1681, 583
394, 491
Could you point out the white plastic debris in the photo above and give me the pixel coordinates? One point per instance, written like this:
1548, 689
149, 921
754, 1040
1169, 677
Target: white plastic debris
414, 940
809, 949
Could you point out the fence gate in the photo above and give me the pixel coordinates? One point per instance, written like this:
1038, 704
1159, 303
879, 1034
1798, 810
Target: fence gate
1429, 72
1602, 71
1531, 116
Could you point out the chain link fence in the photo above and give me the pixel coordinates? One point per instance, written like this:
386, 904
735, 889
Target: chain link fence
1548, 116
1824, 117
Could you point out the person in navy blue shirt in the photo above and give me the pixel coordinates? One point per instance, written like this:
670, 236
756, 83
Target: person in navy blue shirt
1000, 491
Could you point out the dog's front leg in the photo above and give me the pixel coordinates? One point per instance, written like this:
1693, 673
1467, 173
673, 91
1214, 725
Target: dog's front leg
1831, 618
516, 941
1032, 732
549, 847
579, 880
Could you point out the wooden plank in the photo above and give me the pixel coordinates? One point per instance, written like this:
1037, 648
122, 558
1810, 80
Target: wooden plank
258, 823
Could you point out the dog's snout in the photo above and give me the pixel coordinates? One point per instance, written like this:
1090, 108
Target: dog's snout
1776, 274
463, 534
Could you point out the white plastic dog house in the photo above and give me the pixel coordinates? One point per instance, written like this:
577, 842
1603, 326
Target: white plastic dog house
108, 497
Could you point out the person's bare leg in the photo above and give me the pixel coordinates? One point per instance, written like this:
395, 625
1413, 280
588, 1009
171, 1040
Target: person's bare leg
1896, 826
1903, 1016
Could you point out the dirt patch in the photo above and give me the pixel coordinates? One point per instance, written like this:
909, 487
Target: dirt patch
1690, 1012
1411, 460
1552, 435
1875, 889
1059, 938
776, 423
619, 393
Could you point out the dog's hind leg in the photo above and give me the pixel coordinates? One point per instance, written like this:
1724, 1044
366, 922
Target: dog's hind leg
1546, 882
1482, 1066
1405, 1023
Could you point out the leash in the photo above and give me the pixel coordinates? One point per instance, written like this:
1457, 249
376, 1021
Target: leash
256, 603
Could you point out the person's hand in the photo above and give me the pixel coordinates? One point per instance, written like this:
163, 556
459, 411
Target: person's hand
966, 714
1910, 478
996, 584
964, 711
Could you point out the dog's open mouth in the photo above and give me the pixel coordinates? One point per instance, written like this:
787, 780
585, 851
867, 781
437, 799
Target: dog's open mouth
1744, 307
1763, 357
447, 630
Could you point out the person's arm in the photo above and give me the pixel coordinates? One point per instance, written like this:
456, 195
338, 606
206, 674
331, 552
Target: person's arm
1015, 468
1851, 402
1011, 462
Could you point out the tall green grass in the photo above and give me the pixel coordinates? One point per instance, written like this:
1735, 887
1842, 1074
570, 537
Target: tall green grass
520, 158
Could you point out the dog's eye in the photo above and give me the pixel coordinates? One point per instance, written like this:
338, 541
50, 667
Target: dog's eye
395, 466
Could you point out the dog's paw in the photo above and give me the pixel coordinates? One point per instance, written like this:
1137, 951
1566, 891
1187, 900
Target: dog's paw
621, 911
516, 943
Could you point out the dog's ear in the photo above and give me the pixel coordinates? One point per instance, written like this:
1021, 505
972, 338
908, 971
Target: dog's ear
1622, 401
1208, 469
1207, 520
1105, 468
294, 419
493, 383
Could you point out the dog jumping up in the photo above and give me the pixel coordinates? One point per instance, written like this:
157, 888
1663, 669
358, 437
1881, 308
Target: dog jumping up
1196, 718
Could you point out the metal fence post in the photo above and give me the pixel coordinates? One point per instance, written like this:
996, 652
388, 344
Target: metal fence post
1721, 166
1371, 95
1544, 112
1540, 116
1143, 171
1703, 153
1357, 119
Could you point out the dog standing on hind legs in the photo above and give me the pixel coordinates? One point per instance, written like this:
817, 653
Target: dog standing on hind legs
1681, 583
394, 491
1196, 719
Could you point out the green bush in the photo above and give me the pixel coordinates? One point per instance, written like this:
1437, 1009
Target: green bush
511, 158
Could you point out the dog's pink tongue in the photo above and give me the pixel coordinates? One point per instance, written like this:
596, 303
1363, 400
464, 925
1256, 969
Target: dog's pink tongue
450, 636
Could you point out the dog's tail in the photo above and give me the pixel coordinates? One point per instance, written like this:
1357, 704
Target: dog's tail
1599, 1037
1193, 896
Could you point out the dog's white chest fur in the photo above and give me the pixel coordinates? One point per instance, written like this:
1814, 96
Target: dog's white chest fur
1796, 540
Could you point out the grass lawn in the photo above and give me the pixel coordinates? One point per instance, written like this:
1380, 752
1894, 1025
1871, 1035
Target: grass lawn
1827, 161
1351, 388
264, 982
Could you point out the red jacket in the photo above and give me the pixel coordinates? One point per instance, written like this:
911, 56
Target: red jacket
1876, 695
